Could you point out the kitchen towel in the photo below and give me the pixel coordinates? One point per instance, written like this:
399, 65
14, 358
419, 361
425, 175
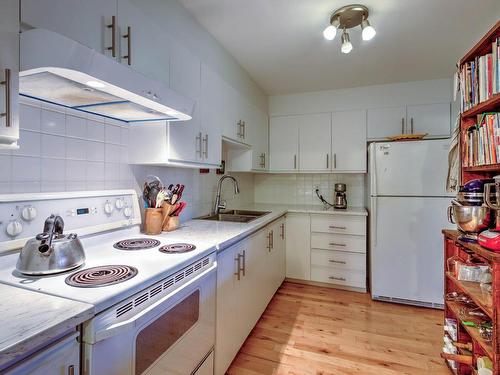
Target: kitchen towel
453, 179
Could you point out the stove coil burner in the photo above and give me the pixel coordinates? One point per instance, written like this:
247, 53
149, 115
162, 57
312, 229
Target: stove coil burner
101, 276
177, 248
136, 244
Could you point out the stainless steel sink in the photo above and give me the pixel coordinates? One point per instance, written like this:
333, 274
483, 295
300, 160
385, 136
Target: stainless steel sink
237, 216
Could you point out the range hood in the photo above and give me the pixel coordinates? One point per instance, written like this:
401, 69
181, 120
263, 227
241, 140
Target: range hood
61, 71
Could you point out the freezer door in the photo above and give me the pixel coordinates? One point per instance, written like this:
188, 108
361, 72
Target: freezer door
406, 249
416, 168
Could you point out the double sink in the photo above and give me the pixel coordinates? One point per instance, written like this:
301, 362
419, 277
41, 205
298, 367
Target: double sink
235, 216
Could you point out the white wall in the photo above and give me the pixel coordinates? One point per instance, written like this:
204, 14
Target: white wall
419, 92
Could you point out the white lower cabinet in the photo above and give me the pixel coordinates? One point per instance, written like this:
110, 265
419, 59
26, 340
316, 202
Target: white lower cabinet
248, 275
298, 246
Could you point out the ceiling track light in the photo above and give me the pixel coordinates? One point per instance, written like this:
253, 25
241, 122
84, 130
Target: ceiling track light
348, 17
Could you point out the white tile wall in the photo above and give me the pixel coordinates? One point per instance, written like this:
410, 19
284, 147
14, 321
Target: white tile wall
300, 188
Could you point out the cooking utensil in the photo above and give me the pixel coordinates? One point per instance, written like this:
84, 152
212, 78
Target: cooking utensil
179, 209
51, 251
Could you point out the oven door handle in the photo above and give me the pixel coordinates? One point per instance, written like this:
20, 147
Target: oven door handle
128, 324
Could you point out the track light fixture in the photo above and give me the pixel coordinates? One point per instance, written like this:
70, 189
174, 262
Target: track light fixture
348, 17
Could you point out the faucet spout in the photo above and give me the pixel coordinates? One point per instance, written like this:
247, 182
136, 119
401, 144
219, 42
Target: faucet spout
218, 203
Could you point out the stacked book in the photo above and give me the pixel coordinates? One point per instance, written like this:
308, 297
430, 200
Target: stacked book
480, 78
481, 143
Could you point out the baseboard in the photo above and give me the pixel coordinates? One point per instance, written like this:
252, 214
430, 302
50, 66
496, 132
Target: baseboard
326, 285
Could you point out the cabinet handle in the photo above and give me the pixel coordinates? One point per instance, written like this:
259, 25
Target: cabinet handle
240, 129
402, 125
337, 278
244, 256
262, 160
272, 239
294, 161
205, 140
327, 161
337, 261
128, 36
71, 370
7, 82
198, 143
238, 266
282, 234
334, 161
411, 125
337, 244
336, 227
244, 125
112, 26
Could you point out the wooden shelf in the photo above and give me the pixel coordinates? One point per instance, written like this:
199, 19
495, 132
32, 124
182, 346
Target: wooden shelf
489, 105
483, 168
484, 45
473, 290
478, 249
455, 307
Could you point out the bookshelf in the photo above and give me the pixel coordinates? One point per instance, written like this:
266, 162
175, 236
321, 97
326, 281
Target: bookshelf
471, 126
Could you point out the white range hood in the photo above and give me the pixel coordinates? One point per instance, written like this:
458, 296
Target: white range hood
61, 71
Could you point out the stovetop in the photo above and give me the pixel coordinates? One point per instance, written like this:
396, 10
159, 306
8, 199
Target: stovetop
151, 265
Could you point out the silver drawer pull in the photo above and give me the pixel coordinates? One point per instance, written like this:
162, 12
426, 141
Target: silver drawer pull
337, 261
335, 227
337, 278
337, 244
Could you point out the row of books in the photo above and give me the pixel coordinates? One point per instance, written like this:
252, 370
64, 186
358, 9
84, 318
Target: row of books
480, 78
481, 144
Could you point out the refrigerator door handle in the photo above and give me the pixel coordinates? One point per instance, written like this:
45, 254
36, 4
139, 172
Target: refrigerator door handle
373, 170
373, 222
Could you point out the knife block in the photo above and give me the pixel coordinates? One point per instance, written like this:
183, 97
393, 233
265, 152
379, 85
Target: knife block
171, 223
153, 221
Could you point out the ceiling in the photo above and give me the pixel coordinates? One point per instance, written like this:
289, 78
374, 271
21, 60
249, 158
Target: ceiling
280, 42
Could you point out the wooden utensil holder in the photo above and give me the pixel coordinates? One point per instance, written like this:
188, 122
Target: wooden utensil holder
171, 223
153, 221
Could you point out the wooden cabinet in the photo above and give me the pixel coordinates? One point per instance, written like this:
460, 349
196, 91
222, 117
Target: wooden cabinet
88, 22
284, 143
9, 74
315, 142
348, 141
433, 119
298, 246
248, 275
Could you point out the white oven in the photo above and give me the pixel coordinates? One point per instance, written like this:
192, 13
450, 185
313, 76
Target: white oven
169, 328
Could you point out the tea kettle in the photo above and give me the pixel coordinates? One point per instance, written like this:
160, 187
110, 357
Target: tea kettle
51, 251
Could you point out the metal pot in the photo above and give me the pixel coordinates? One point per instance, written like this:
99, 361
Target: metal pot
470, 219
51, 251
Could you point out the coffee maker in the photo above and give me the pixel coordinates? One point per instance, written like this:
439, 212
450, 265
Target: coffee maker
340, 200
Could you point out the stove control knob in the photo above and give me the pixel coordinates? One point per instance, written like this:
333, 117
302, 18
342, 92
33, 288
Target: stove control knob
14, 228
108, 208
119, 203
28, 213
127, 211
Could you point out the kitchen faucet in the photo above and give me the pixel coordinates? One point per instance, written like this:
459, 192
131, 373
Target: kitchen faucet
222, 204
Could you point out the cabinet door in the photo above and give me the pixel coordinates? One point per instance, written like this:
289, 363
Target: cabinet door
278, 253
85, 21
186, 137
284, 143
211, 109
384, 122
229, 112
349, 141
298, 246
433, 119
147, 48
259, 140
315, 142
9, 74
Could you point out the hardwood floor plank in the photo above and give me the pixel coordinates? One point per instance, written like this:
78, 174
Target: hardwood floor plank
312, 330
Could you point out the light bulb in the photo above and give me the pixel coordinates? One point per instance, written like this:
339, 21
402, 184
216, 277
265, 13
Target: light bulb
95, 84
368, 30
346, 43
330, 32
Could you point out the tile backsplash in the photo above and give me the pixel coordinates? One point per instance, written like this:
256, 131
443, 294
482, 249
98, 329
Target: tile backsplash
66, 150
300, 188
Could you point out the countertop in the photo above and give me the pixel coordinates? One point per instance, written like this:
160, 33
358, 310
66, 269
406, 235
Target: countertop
31, 319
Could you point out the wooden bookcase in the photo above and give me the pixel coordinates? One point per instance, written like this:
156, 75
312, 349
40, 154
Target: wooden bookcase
458, 249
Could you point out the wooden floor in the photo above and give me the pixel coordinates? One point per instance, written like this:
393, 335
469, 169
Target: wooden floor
314, 330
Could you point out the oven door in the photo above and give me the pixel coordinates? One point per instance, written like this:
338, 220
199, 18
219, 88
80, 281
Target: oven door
172, 336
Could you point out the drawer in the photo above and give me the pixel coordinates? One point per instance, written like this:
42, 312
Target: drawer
338, 259
343, 224
356, 279
342, 242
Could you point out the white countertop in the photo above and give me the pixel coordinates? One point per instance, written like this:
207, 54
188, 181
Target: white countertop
31, 319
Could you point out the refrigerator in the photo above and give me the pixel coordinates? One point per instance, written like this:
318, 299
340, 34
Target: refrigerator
408, 202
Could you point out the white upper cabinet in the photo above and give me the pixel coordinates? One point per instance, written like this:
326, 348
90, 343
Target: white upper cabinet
211, 109
284, 143
9, 74
433, 119
349, 141
259, 134
89, 22
315, 140
384, 122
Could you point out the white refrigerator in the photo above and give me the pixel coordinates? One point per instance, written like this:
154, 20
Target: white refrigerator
408, 202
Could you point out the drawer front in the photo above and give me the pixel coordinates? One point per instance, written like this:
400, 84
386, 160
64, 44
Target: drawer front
342, 242
338, 259
342, 224
356, 279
